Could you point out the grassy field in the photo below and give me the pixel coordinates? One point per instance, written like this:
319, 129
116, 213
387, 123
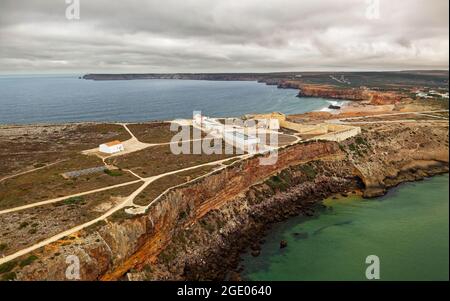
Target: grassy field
159, 159
156, 132
159, 186
28, 147
21, 229
47, 183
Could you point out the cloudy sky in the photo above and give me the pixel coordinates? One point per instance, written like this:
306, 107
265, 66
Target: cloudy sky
223, 35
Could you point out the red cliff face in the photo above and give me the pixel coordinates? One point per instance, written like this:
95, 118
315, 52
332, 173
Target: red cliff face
355, 94
110, 250
331, 92
184, 206
198, 222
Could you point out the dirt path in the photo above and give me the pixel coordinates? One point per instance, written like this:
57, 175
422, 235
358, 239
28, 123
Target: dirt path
129, 201
55, 200
342, 120
31, 170
72, 230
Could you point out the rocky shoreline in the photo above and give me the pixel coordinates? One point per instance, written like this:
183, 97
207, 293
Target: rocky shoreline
226, 261
198, 231
221, 259
217, 255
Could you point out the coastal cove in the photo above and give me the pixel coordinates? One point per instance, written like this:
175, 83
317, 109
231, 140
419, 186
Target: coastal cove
59, 99
407, 228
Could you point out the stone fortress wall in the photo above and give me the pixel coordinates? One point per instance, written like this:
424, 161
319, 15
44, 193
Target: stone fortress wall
324, 131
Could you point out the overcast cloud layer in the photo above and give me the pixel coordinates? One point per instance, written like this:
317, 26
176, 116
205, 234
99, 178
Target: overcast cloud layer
222, 36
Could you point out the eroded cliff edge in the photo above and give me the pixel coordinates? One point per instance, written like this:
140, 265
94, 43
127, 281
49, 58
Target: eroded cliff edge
198, 231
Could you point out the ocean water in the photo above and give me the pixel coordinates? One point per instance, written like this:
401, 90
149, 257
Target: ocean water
408, 229
53, 99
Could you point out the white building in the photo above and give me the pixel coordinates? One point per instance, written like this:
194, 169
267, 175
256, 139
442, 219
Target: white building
208, 124
111, 147
229, 133
242, 141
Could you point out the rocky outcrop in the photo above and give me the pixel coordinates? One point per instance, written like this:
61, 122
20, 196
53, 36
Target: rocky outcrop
198, 231
325, 91
397, 154
131, 242
210, 249
356, 94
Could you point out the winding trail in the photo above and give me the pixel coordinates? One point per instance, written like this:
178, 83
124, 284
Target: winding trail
55, 200
422, 113
31, 170
128, 202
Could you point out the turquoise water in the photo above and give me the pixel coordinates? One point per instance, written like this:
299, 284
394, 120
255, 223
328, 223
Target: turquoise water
51, 99
408, 229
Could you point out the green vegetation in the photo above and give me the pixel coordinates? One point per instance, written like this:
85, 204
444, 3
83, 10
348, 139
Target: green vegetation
23, 225
113, 173
8, 266
3, 246
73, 200
167, 256
120, 215
9, 276
157, 187
48, 183
361, 141
280, 182
182, 215
148, 268
28, 260
309, 171
159, 159
180, 239
95, 226
207, 225
359, 147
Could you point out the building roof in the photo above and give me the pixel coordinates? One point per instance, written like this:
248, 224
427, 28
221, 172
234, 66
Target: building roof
112, 143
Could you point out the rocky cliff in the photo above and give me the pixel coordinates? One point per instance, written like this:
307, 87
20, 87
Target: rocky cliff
198, 231
356, 94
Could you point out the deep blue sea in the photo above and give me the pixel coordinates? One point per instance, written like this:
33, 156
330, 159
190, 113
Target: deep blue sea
54, 99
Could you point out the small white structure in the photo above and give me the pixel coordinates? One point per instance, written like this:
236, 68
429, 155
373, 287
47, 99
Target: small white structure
208, 124
241, 140
111, 147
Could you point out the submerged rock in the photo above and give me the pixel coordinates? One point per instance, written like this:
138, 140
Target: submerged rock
333, 107
301, 235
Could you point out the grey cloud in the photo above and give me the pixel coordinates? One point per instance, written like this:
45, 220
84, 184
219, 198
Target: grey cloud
222, 36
